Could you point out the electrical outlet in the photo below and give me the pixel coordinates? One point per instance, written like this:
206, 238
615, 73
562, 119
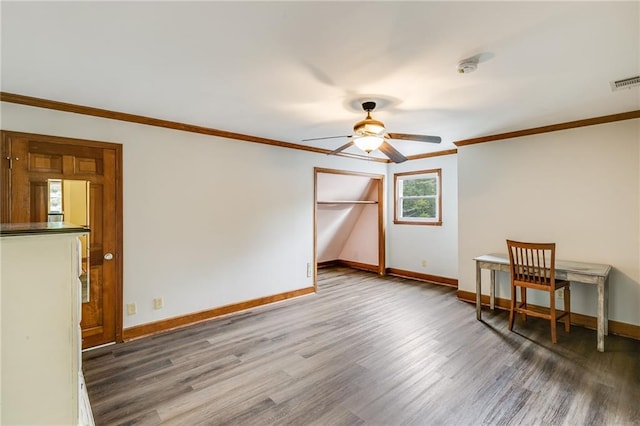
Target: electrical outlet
560, 294
132, 309
309, 270
158, 303
424, 263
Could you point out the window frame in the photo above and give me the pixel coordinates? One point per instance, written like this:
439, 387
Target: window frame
398, 219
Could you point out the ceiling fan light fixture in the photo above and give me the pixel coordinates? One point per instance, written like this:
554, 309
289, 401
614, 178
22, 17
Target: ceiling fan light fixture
369, 135
368, 143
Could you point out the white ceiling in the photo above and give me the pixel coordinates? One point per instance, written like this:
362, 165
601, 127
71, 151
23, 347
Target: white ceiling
295, 70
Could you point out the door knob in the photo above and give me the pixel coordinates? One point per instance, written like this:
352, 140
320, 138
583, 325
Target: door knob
108, 256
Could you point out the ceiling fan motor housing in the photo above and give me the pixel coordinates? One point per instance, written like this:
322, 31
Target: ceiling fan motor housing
369, 126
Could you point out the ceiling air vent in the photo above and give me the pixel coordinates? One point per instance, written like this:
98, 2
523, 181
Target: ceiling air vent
626, 83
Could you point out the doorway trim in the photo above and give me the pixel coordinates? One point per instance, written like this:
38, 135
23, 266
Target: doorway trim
381, 223
6, 135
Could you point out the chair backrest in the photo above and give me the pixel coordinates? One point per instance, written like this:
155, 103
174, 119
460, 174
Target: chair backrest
533, 262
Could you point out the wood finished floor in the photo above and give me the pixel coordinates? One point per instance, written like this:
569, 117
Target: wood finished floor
366, 350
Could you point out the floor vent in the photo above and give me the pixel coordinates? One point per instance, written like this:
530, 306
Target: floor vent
626, 83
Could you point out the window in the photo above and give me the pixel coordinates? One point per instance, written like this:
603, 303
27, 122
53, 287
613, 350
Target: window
418, 198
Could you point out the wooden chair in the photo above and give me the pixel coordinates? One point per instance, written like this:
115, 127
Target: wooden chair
532, 265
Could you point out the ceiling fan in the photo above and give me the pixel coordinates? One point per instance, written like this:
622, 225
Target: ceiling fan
370, 134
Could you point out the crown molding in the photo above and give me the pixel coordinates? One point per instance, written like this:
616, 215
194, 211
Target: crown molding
552, 128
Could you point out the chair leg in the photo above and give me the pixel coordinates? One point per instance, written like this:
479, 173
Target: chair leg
523, 302
512, 309
567, 309
552, 313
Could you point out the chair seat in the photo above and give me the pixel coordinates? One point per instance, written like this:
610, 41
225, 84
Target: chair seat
542, 285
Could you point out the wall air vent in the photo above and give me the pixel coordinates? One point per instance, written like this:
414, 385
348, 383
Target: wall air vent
626, 83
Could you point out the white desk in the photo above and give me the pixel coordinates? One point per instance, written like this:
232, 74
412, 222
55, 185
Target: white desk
588, 273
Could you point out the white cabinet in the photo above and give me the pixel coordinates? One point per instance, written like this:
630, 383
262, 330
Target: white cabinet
41, 373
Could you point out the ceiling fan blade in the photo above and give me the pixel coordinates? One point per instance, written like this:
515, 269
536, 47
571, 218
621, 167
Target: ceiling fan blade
342, 148
418, 138
393, 154
328, 137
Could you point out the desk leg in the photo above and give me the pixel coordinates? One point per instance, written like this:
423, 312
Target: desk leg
492, 297
606, 306
601, 314
478, 289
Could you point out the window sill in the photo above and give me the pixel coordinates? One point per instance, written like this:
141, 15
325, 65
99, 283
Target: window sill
411, 222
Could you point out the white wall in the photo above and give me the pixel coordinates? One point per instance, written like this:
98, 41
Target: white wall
578, 188
409, 245
207, 221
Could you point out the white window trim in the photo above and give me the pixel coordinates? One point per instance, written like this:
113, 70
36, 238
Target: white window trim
397, 201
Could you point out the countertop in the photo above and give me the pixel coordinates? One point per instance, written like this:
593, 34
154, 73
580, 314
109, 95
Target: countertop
39, 228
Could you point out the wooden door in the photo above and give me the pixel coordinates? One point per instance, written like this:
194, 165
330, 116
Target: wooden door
28, 162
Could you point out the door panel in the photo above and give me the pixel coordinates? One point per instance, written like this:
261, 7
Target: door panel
93, 312
46, 163
37, 158
39, 203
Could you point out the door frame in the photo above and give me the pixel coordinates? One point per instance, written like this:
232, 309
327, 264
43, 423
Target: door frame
6, 135
382, 270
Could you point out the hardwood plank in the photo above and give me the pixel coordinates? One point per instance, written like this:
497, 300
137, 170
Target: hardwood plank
365, 349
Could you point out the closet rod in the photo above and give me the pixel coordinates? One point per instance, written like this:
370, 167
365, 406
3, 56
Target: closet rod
348, 202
